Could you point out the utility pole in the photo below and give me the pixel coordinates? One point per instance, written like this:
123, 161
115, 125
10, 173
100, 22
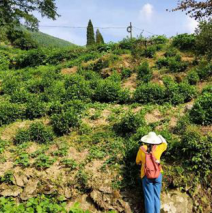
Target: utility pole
129, 30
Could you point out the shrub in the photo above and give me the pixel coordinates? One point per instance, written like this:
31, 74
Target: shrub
10, 112
126, 73
197, 151
177, 66
187, 91
182, 124
30, 58
55, 108
150, 51
127, 43
22, 136
201, 113
107, 91
204, 71
171, 52
144, 72
162, 62
37, 132
161, 39
124, 96
77, 88
40, 133
35, 108
140, 132
192, 77
207, 89
10, 84
179, 93
184, 41
64, 121
128, 123
20, 96
55, 92
149, 93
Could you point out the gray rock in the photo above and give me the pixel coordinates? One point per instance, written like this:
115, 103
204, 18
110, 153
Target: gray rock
176, 202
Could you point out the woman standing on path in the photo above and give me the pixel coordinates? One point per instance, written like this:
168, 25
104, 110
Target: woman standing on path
149, 158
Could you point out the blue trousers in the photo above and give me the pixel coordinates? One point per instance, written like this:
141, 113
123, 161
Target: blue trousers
152, 189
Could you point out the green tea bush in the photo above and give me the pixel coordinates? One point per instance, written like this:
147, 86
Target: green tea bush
55, 92
20, 96
30, 58
145, 74
126, 73
192, 77
204, 71
150, 93
107, 91
63, 122
127, 43
162, 62
37, 132
124, 96
10, 112
197, 151
174, 64
178, 93
77, 88
150, 51
201, 113
10, 84
171, 52
35, 108
161, 39
89, 74
22, 136
55, 108
207, 89
184, 41
40, 133
182, 124
140, 132
4, 61
177, 66
128, 123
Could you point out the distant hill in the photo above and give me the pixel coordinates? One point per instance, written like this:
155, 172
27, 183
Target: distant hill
46, 40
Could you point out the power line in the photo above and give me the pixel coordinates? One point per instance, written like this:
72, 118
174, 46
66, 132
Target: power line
78, 27
143, 30
103, 28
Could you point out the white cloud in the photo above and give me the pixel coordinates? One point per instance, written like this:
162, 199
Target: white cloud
191, 25
146, 12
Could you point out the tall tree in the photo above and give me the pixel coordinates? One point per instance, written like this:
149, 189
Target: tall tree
12, 12
90, 34
99, 37
196, 9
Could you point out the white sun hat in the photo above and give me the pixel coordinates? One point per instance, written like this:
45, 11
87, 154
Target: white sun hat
153, 138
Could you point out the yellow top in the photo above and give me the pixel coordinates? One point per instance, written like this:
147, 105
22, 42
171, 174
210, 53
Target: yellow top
140, 159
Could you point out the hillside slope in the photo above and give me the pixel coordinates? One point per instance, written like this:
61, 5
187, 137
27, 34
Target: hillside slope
71, 121
46, 40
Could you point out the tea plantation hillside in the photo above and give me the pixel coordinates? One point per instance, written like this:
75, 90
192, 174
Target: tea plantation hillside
71, 120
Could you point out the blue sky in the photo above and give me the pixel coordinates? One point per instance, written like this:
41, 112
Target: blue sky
149, 15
